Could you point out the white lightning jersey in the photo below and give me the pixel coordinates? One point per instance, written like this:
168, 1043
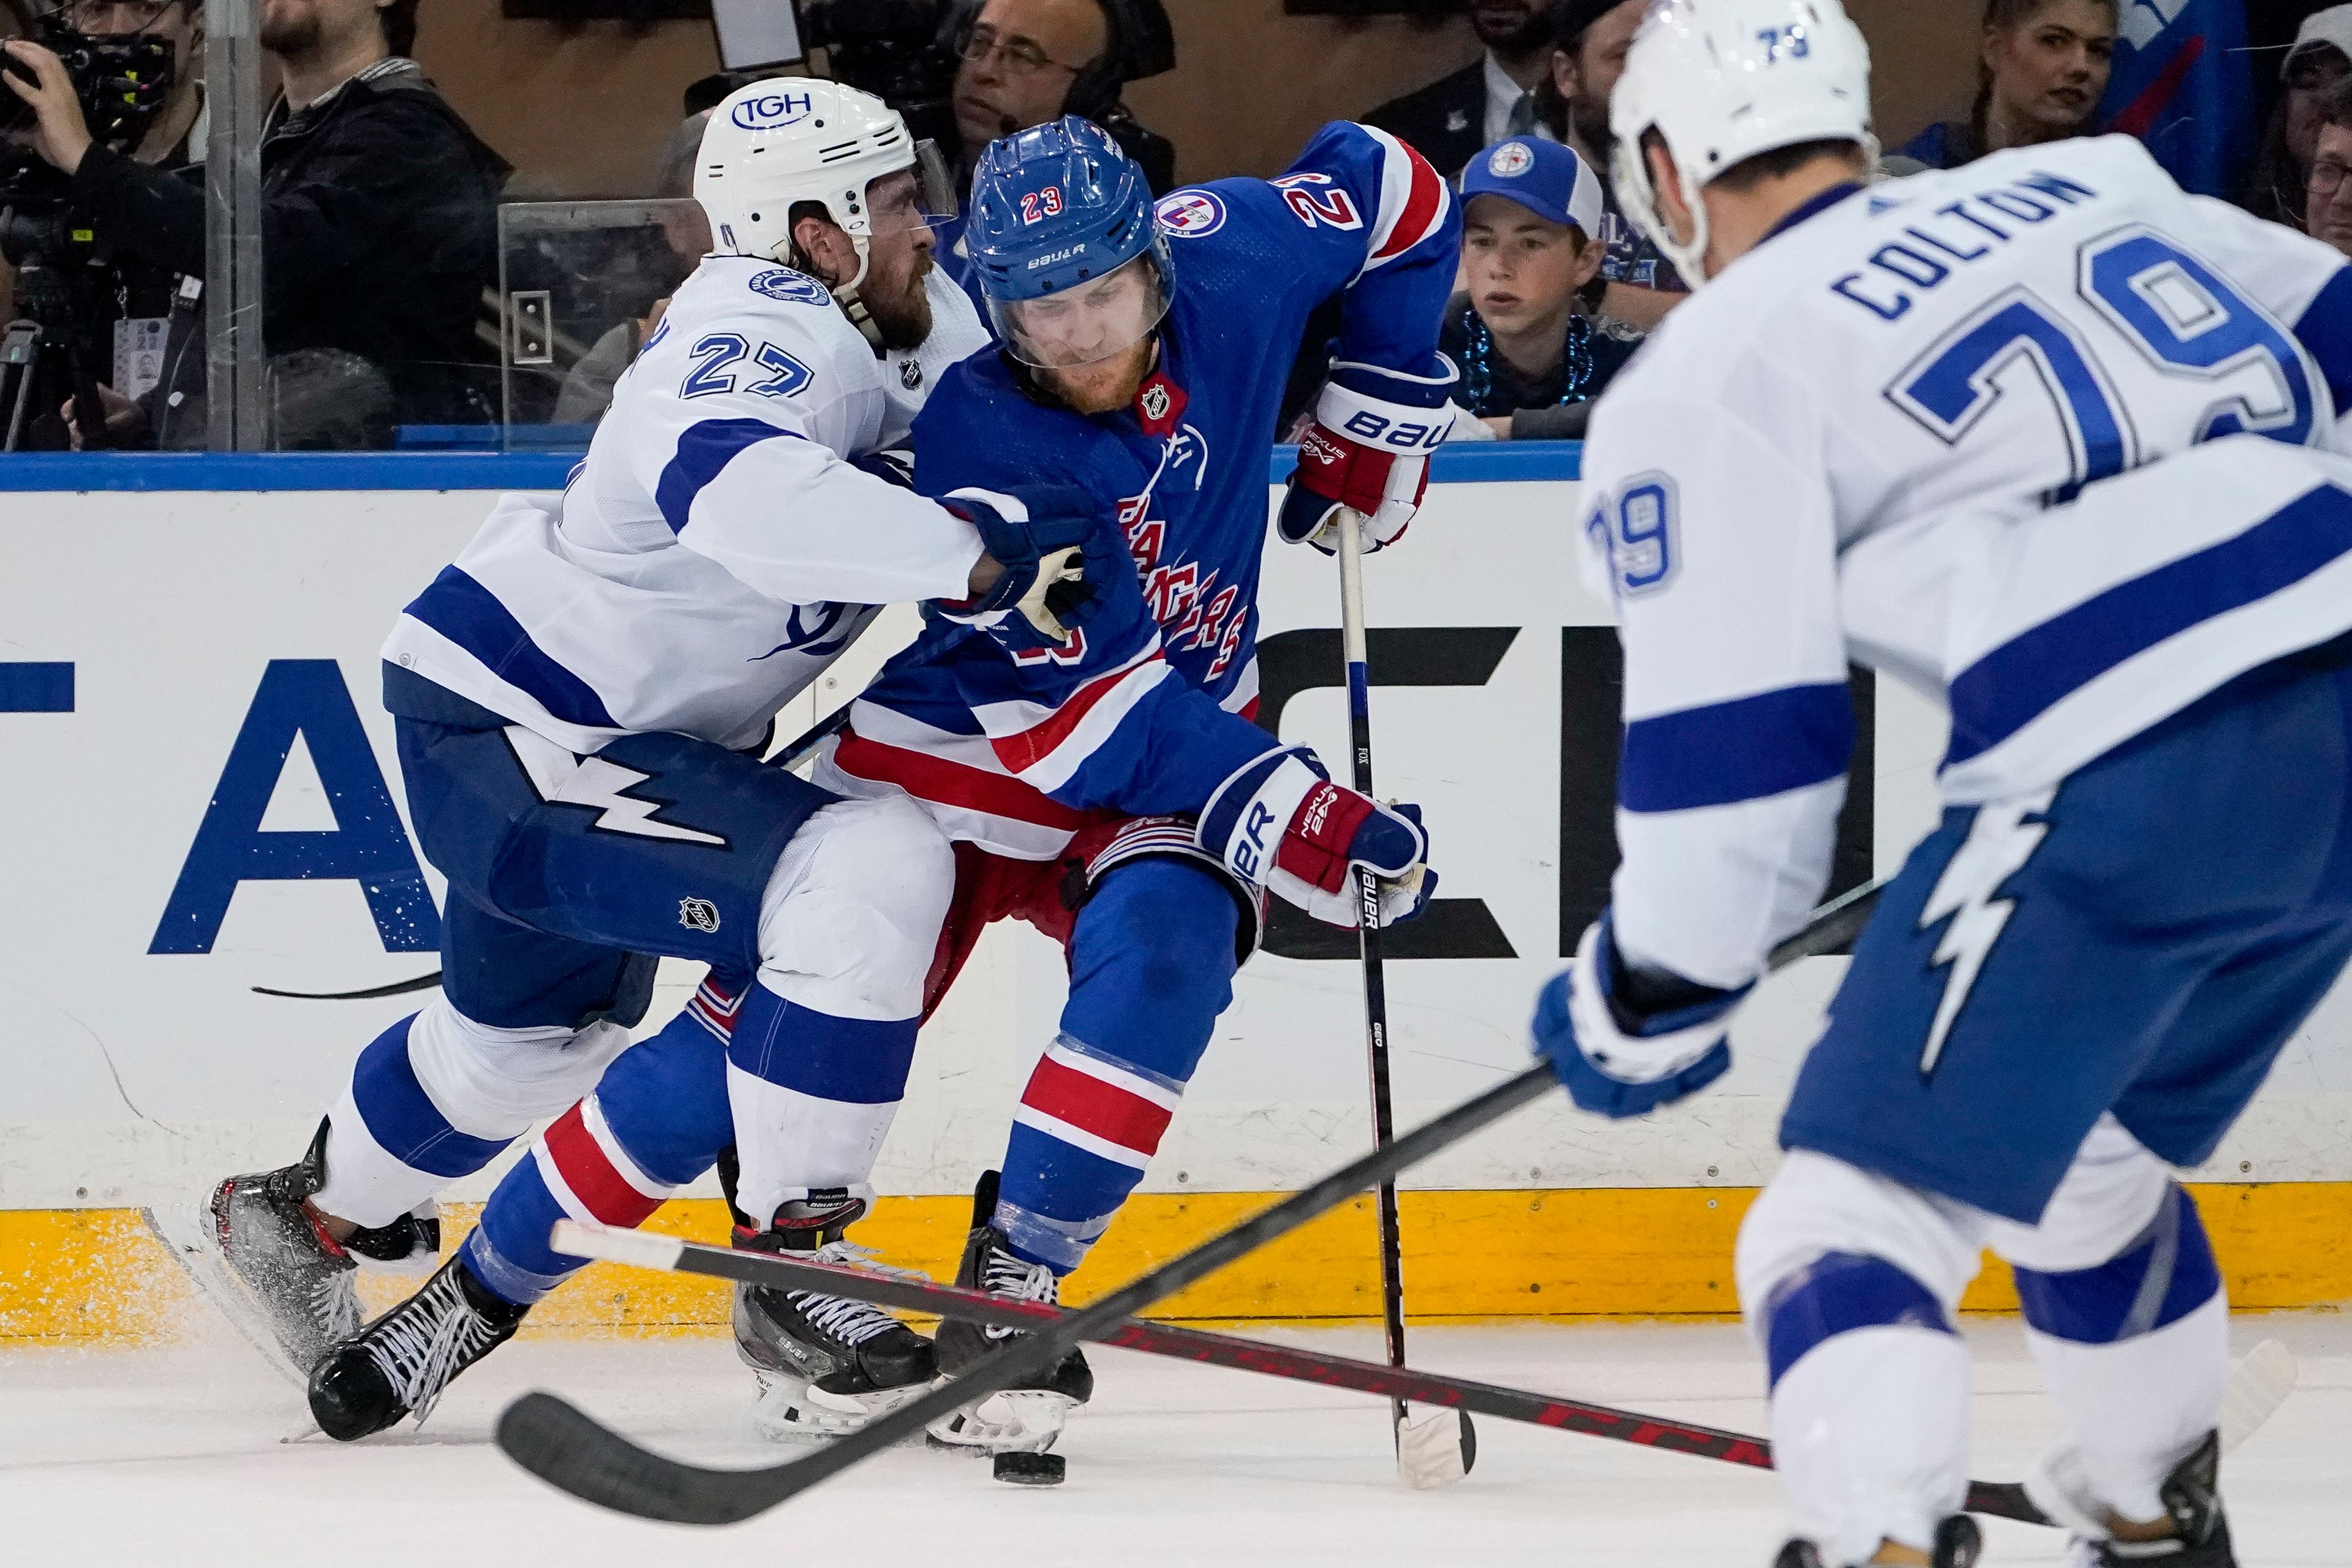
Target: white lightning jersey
718, 549
2042, 436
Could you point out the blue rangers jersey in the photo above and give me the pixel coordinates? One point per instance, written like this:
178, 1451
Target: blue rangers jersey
2042, 437
950, 720
718, 548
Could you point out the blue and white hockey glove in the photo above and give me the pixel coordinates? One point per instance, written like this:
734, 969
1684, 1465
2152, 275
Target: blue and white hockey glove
1281, 824
1048, 539
1368, 450
1616, 1062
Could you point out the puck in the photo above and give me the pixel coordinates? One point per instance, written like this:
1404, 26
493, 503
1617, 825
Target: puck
1032, 1470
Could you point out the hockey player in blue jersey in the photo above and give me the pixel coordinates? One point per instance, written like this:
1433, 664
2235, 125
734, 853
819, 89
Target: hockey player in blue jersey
581, 701
2053, 444
1095, 757
1056, 767
1144, 361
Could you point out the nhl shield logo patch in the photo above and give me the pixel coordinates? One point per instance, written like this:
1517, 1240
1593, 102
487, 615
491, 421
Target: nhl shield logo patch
698, 914
1511, 159
1154, 401
910, 374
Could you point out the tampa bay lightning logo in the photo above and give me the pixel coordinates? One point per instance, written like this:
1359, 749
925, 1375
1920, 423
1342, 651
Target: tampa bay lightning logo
1188, 214
791, 288
811, 629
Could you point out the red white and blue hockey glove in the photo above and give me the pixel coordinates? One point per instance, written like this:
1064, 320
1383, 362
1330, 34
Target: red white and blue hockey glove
1282, 824
1367, 451
1049, 539
1617, 1062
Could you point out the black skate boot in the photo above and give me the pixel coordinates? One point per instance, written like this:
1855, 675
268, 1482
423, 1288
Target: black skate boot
277, 1270
825, 1364
403, 1360
2191, 1495
1958, 1544
1028, 1416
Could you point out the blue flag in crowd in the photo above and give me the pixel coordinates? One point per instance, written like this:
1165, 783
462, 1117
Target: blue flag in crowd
2181, 84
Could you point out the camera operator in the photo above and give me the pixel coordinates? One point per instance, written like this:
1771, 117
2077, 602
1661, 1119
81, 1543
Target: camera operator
107, 313
379, 215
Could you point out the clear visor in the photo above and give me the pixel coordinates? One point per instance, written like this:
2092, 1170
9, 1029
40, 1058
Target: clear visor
920, 195
1084, 324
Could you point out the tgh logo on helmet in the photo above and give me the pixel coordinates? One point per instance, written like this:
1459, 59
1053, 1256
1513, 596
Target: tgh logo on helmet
775, 110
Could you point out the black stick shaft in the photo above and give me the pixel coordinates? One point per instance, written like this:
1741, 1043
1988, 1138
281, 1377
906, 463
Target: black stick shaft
566, 1448
1354, 643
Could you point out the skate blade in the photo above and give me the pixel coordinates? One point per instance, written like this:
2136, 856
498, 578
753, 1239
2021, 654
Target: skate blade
1011, 1421
786, 1415
1435, 1450
186, 1232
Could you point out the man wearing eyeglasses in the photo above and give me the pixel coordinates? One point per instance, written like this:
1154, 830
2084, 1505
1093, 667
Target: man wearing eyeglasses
1025, 63
2327, 197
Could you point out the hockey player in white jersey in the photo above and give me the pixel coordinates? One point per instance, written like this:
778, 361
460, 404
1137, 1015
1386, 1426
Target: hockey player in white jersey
582, 701
2053, 444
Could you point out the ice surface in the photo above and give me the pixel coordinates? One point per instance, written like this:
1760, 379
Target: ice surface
174, 1459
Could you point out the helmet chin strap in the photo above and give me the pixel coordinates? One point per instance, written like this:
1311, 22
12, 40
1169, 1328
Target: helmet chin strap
852, 305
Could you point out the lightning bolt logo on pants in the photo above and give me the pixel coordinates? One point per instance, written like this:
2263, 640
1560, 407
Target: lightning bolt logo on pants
1998, 844
598, 783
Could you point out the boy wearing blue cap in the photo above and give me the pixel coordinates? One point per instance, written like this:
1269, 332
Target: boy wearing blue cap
1532, 360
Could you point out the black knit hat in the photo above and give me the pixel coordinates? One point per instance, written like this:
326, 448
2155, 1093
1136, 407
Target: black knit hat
1571, 19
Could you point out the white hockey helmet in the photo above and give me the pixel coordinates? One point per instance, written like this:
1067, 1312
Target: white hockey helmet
1722, 80
776, 143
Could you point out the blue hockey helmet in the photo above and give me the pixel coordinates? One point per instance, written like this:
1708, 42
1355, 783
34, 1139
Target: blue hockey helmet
1062, 238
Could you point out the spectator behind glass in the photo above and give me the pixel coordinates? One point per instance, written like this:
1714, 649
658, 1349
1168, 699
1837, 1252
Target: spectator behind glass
132, 309
686, 234
1588, 57
379, 228
2320, 58
1531, 360
2328, 213
1492, 98
1025, 63
2043, 68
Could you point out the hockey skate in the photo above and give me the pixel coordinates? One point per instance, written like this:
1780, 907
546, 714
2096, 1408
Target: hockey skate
2192, 1499
825, 1364
262, 1253
1027, 1417
401, 1363
1958, 1544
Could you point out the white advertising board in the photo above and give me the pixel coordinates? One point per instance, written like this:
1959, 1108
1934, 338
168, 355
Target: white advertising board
208, 800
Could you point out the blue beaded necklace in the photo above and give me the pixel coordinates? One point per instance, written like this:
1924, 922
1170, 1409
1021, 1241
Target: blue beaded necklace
1577, 361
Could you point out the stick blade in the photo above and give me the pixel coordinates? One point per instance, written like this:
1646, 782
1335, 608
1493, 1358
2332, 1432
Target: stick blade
2259, 1384
1437, 1449
565, 1448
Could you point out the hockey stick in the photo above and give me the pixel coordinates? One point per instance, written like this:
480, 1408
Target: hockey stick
1443, 1448
2259, 1382
791, 756
567, 1449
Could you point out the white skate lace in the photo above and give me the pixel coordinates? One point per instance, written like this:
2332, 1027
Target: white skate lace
336, 1306
1006, 1274
424, 1341
851, 1321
